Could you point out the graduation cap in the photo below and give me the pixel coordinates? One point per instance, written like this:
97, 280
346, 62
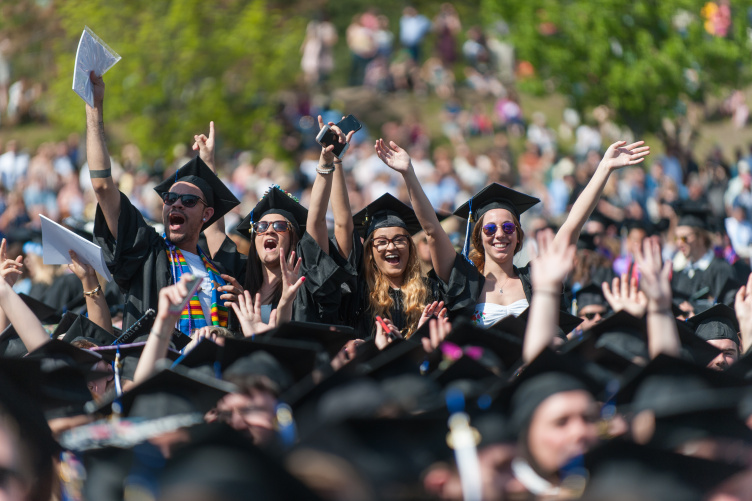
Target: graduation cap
331, 337
545, 376
260, 364
506, 348
587, 242
622, 471
386, 212
591, 294
466, 375
621, 333
717, 322
275, 201
168, 392
216, 194
83, 328
495, 196
11, 345
220, 463
512, 325
45, 313
59, 350
693, 214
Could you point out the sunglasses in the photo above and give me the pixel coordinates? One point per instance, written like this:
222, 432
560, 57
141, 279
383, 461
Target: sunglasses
278, 226
189, 201
684, 238
507, 227
590, 316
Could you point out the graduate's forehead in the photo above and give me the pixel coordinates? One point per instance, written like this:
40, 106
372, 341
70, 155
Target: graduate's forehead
273, 217
182, 187
497, 215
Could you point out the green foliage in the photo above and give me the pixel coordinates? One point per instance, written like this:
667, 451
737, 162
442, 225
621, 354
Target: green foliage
184, 63
629, 55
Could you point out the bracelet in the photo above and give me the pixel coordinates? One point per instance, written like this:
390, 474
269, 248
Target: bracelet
327, 168
95, 292
100, 174
337, 161
159, 335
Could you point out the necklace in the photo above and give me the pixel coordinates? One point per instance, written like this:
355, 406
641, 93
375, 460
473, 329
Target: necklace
501, 289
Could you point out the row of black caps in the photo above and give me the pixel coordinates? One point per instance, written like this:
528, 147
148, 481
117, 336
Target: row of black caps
403, 380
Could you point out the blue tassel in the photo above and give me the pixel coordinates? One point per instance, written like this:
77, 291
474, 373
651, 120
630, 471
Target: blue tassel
466, 247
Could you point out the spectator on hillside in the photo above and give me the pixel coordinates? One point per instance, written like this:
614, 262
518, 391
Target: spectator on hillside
413, 28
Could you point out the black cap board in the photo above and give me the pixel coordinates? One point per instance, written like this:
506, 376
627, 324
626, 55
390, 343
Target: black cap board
45, 313
495, 196
621, 333
386, 212
60, 350
109, 353
216, 194
507, 348
331, 337
717, 322
275, 201
83, 328
587, 242
591, 294
693, 214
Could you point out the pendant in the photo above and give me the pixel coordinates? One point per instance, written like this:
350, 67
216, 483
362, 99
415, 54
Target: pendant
501, 291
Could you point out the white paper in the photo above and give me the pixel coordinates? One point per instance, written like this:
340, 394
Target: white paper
92, 55
58, 240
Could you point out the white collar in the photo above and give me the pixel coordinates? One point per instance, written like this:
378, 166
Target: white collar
703, 262
531, 480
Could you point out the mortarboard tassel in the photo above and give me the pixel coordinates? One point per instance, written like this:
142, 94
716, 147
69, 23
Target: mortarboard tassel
464, 439
466, 247
118, 366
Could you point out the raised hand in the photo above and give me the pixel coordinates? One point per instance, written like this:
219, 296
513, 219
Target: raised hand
291, 279
10, 269
205, 146
438, 331
83, 271
327, 152
555, 260
249, 315
655, 275
620, 154
97, 88
231, 290
624, 295
743, 307
393, 156
436, 308
170, 296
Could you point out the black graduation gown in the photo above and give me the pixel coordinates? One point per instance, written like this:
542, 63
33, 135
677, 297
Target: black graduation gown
714, 277
137, 259
462, 290
318, 300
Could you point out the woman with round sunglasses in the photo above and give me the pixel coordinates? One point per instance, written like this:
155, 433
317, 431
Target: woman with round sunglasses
484, 284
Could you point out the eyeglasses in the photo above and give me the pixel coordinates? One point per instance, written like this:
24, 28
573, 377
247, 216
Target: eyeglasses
263, 226
507, 227
590, 316
684, 238
400, 242
188, 200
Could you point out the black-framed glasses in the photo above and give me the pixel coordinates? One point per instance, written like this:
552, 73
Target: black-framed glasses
507, 227
278, 226
399, 242
187, 199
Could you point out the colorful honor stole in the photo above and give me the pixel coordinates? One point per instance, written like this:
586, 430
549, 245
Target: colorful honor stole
193, 315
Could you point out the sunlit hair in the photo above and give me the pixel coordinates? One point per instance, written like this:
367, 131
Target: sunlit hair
478, 252
414, 290
586, 262
254, 275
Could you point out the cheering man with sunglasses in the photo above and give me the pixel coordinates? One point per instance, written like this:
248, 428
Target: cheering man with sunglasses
142, 261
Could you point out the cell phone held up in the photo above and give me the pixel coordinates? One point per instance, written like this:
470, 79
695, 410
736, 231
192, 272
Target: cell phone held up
327, 137
193, 285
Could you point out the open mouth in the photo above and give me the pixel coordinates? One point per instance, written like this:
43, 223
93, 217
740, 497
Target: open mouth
176, 220
270, 244
501, 245
393, 259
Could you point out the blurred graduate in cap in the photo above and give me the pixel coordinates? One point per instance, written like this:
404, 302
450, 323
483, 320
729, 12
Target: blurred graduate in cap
483, 283
141, 260
703, 269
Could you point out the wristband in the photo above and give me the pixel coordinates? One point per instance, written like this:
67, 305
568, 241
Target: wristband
327, 168
100, 174
95, 292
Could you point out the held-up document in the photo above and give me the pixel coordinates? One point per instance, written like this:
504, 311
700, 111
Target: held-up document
92, 55
58, 240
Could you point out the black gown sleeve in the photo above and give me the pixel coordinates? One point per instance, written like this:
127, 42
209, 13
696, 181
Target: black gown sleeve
230, 260
461, 292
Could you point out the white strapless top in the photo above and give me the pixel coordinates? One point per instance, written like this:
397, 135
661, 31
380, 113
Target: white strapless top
487, 314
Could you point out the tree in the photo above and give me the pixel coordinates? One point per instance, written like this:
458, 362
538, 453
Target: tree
641, 58
183, 64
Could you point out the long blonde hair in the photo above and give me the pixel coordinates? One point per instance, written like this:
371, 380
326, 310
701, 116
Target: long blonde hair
478, 253
414, 291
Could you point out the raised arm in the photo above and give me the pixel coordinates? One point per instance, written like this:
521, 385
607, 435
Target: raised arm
96, 304
663, 335
442, 250
327, 169
98, 158
617, 156
28, 326
743, 307
161, 332
10, 270
548, 271
343, 220
215, 234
